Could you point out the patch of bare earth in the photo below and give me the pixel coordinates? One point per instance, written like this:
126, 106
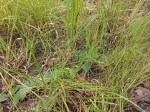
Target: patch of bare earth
141, 97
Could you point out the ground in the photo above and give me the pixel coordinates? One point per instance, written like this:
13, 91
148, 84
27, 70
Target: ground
74, 56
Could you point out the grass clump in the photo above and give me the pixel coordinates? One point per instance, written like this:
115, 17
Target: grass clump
62, 55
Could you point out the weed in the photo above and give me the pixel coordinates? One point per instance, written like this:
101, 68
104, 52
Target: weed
62, 55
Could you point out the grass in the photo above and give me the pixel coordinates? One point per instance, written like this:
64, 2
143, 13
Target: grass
72, 56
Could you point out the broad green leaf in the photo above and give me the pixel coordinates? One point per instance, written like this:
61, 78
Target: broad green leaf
86, 67
16, 88
22, 91
53, 75
3, 97
79, 55
21, 94
40, 82
103, 59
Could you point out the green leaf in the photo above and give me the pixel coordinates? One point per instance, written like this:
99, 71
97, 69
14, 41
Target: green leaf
40, 82
21, 94
53, 75
79, 55
86, 67
3, 97
103, 59
16, 88
22, 91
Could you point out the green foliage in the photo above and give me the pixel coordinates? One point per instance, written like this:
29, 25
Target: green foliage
86, 67
21, 94
51, 41
3, 97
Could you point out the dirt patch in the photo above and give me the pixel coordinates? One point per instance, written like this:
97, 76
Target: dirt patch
3, 35
1, 86
29, 104
141, 97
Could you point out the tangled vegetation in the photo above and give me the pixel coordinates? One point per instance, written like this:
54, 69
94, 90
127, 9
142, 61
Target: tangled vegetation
72, 55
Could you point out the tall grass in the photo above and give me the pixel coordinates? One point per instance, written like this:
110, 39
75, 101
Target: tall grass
74, 59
